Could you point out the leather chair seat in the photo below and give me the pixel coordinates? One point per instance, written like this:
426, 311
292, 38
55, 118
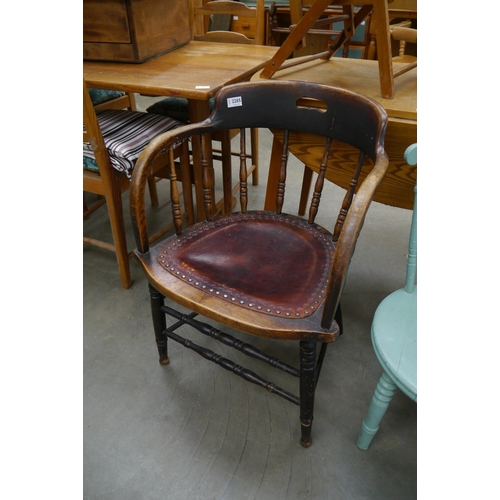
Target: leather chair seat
290, 281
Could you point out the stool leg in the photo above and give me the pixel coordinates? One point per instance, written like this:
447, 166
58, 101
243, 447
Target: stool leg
307, 388
380, 402
159, 324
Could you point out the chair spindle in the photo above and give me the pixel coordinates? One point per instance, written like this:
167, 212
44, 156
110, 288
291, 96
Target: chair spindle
280, 196
174, 192
208, 177
320, 182
346, 204
243, 172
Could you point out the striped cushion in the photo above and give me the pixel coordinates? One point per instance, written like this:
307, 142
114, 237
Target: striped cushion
126, 134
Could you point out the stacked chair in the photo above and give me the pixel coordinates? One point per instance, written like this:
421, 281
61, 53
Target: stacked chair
114, 136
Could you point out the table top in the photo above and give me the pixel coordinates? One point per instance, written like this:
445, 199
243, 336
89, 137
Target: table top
362, 76
197, 70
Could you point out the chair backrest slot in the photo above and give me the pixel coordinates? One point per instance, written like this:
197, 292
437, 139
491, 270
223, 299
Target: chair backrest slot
243, 172
280, 196
346, 204
311, 103
320, 182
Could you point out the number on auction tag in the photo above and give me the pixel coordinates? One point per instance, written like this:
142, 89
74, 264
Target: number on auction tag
232, 102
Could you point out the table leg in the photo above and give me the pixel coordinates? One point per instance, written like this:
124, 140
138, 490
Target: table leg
198, 111
272, 179
380, 18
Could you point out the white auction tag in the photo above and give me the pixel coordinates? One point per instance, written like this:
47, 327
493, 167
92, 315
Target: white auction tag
232, 102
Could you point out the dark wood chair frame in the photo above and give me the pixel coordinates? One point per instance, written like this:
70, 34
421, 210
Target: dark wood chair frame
291, 106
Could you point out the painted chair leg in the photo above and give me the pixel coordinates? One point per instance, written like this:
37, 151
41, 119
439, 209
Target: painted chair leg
307, 388
380, 402
159, 324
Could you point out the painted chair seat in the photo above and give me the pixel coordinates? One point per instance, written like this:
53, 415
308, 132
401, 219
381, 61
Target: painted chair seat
394, 337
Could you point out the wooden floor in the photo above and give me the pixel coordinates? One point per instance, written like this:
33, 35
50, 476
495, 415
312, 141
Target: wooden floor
193, 431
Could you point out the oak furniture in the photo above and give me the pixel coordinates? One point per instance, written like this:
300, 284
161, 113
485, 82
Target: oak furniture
379, 12
264, 273
133, 30
404, 35
394, 338
244, 25
196, 71
282, 20
112, 140
359, 76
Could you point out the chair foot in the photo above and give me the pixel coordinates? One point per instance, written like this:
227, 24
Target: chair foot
307, 389
380, 402
305, 440
164, 361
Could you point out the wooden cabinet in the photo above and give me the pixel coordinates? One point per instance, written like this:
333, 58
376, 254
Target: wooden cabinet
133, 30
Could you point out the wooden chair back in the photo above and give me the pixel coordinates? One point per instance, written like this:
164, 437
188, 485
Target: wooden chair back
246, 23
107, 184
101, 182
335, 114
404, 35
110, 184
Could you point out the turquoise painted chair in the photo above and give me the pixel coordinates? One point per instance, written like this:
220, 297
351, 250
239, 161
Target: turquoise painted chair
394, 337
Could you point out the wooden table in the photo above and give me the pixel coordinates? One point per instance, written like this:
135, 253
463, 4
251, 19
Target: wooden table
380, 19
361, 76
196, 71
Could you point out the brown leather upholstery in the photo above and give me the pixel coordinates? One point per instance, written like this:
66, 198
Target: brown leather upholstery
293, 261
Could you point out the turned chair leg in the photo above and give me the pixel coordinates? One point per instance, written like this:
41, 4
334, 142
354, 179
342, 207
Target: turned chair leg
159, 324
307, 388
380, 402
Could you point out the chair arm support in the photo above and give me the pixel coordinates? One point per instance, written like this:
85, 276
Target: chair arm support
141, 173
349, 236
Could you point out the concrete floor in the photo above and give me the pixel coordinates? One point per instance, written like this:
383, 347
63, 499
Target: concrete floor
191, 430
